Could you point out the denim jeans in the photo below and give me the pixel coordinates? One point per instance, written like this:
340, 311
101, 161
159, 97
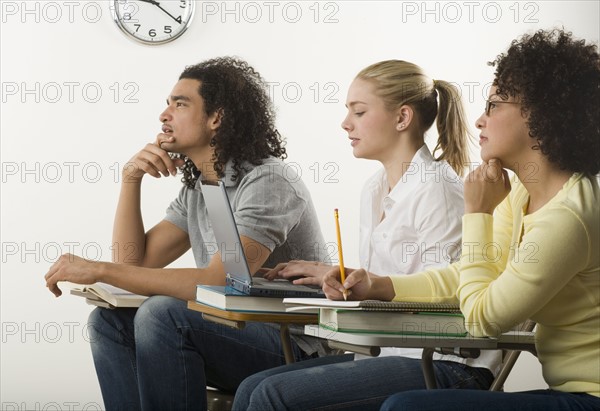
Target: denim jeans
466, 400
340, 383
162, 355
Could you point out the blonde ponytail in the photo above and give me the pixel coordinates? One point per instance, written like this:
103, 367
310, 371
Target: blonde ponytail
452, 127
401, 83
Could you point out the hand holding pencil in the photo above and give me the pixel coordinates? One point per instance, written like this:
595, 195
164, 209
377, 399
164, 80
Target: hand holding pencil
360, 284
340, 252
357, 285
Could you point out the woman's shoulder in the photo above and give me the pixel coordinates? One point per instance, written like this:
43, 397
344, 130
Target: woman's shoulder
580, 196
574, 210
439, 177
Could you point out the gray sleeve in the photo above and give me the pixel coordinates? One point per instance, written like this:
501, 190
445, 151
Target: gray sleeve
267, 207
177, 212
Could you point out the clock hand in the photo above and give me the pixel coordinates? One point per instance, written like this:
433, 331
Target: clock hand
178, 20
157, 4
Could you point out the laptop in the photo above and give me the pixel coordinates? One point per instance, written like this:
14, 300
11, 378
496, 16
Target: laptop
234, 260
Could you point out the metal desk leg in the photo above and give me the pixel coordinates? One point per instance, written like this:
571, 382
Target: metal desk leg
427, 367
286, 344
371, 351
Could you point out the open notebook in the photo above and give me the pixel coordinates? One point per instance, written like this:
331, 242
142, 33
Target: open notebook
106, 295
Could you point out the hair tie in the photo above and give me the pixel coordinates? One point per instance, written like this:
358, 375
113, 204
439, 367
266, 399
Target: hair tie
434, 89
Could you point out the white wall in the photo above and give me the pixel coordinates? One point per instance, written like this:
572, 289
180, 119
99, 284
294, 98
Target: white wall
61, 152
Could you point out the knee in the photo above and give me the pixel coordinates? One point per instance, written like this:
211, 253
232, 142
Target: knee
103, 322
95, 319
271, 394
158, 306
95, 324
157, 313
105, 326
403, 401
245, 390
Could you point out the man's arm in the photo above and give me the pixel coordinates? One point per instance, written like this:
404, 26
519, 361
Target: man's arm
175, 282
164, 243
139, 256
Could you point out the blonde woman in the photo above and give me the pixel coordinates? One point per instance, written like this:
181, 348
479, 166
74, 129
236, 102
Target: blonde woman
410, 219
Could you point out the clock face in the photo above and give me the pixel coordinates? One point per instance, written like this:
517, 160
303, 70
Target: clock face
153, 21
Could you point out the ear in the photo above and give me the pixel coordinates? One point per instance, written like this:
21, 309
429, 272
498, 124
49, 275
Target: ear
214, 120
404, 117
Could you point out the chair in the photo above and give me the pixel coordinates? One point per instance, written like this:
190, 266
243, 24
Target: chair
218, 400
509, 358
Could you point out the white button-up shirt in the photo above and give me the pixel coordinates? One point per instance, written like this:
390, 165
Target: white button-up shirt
416, 224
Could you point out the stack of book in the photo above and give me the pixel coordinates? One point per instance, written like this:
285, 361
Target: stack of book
384, 317
229, 299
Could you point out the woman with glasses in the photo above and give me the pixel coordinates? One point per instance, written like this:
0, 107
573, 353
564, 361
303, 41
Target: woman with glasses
531, 247
411, 213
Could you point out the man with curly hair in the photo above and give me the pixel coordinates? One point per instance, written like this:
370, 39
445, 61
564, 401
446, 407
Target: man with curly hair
220, 121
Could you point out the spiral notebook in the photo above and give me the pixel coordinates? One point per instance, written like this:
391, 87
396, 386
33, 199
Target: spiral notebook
298, 304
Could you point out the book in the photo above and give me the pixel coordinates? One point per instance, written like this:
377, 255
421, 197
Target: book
393, 322
229, 299
297, 304
107, 296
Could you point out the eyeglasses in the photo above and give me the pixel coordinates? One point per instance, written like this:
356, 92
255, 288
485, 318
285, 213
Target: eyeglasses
489, 105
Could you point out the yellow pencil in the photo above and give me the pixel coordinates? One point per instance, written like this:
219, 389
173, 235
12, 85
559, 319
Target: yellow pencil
340, 253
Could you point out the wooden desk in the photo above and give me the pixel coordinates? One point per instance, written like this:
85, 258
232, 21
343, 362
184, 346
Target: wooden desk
238, 319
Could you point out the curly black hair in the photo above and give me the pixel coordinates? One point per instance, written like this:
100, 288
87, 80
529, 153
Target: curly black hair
557, 80
247, 131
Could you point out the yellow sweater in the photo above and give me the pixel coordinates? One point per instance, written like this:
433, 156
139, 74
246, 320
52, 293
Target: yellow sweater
543, 266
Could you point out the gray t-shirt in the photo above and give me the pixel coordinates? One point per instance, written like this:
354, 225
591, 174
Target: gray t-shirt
271, 205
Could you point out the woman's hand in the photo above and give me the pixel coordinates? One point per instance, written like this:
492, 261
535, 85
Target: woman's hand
357, 285
486, 187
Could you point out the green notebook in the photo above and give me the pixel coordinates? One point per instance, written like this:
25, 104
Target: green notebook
448, 324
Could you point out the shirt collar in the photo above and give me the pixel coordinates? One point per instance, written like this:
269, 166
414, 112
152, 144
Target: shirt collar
421, 164
226, 179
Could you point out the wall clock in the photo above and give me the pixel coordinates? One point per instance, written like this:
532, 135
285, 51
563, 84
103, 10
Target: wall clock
152, 21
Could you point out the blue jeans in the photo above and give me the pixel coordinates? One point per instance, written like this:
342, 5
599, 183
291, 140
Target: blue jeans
466, 400
162, 355
340, 383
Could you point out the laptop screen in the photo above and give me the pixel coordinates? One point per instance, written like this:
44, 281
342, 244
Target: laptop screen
225, 230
